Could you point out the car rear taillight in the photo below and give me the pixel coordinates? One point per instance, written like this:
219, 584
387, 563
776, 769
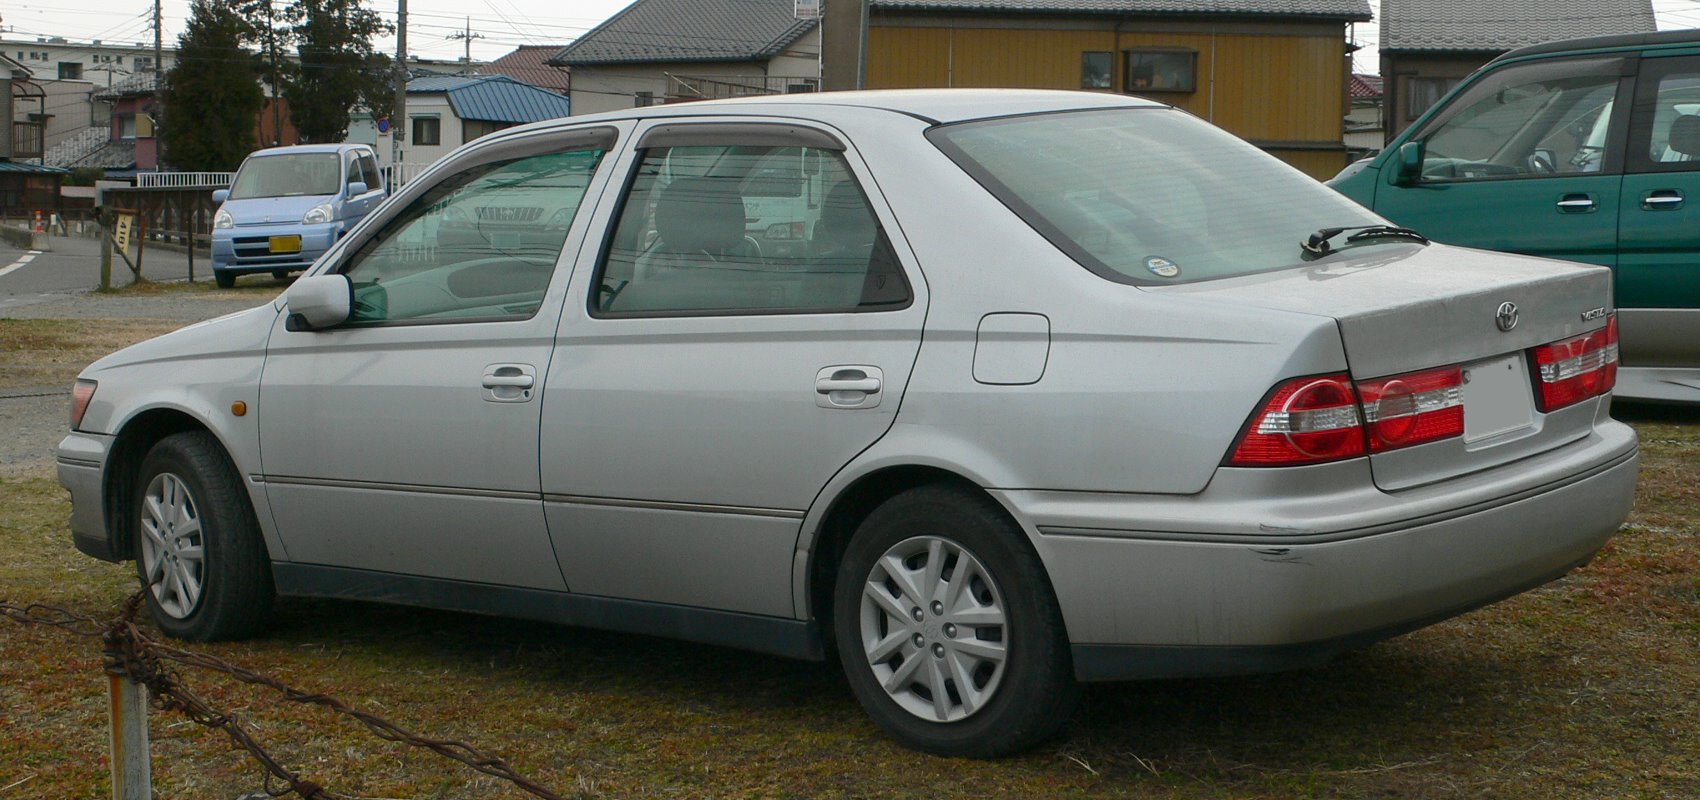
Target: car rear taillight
1305, 421
1578, 368
1413, 408
81, 394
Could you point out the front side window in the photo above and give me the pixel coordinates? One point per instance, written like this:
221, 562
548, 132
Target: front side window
482, 244
369, 167
291, 175
1531, 121
760, 229
1148, 195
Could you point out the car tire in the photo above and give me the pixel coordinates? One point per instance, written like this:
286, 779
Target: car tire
997, 629
280, 274
225, 280
198, 546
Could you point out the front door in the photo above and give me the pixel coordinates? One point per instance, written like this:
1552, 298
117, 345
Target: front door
405, 441
1658, 268
745, 332
1528, 160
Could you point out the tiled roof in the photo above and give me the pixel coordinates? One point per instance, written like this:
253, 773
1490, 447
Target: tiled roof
493, 98
118, 154
1331, 9
530, 63
1476, 26
689, 30
136, 86
1365, 86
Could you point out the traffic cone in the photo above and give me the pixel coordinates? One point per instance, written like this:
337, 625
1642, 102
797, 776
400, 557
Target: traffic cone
40, 227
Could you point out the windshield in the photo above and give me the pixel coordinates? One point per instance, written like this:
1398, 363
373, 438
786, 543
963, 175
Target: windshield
292, 175
1149, 195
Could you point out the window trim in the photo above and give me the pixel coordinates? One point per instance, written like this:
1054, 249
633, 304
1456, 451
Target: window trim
1127, 67
713, 139
1612, 163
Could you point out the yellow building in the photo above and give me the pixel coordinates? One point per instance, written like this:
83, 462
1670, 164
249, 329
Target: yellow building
1273, 72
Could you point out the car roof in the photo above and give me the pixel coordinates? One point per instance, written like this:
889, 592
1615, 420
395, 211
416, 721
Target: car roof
341, 147
1620, 41
932, 105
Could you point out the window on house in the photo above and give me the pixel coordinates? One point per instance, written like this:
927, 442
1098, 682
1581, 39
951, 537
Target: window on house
1095, 70
427, 131
144, 62
644, 99
1422, 93
70, 71
127, 126
1161, 70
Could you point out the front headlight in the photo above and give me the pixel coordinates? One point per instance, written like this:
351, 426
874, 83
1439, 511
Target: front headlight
223, 219
317, 215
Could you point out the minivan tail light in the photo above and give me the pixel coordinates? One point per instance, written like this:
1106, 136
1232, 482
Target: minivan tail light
81, 394
1577, 368
1410, 409
1305, 421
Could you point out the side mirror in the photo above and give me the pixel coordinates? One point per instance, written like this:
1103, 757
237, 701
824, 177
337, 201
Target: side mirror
315, 302
1407, 164
357, 188
221, 195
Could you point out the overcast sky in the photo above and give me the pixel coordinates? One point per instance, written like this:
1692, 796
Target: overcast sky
503, 24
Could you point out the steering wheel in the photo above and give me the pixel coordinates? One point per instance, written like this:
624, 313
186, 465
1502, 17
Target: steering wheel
1539, 164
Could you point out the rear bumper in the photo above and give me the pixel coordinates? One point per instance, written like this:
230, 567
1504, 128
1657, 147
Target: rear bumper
246, 248
82, 467
1269, 570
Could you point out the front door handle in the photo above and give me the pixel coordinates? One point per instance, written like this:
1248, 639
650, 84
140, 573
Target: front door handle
1662, 200
849, 386
1576, 204
509, 383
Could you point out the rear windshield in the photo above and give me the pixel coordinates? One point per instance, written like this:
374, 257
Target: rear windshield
1148, 195
294, 175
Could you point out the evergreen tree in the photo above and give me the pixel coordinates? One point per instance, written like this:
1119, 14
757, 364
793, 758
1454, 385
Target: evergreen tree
210, 95
338, 70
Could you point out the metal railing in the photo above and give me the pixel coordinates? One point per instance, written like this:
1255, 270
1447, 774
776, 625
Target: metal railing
184, 180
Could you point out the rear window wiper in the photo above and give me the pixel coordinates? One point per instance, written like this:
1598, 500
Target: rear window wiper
1320, 243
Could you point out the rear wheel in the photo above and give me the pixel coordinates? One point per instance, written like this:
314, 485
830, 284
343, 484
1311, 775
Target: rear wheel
224, 279
198, 548
948, 629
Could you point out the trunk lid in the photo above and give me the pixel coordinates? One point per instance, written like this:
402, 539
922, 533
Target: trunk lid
1402, 308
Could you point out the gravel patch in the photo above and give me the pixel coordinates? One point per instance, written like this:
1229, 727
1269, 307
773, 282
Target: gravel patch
181, 306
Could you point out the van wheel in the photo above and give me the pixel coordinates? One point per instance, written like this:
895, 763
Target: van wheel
948, 628
198, 548
225, 280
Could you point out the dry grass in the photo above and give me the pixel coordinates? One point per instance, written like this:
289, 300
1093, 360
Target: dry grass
257, 288
50, 352
1587, 688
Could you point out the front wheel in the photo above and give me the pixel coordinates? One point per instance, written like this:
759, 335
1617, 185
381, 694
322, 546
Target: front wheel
224, 279
198, 548
948, 628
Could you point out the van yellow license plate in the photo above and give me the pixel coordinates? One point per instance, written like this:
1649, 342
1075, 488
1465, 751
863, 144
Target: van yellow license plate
286, 244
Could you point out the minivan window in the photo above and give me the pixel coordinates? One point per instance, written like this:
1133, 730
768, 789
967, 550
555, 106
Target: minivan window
291, 175
1148, 195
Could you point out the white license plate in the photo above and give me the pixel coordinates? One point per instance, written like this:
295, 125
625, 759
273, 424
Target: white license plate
1497, 398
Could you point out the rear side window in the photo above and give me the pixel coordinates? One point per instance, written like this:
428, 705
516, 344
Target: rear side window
481, 244
758, 229
1148, 195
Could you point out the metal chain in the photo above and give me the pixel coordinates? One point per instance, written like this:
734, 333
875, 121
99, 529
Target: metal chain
132, 653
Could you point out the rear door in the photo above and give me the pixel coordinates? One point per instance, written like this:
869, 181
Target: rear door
1658, 270
707, 382
1527, 160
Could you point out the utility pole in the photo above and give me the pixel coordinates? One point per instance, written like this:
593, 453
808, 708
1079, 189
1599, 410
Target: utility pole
398, 118
158, 46
271, 57
466, 36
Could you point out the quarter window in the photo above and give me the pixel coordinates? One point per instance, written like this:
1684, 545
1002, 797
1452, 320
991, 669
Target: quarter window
482, 244
1534, 121
1667, 135
761, 229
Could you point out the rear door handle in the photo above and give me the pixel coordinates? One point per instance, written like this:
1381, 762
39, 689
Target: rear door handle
1662, 200
849, 386
1576, 204
509, 383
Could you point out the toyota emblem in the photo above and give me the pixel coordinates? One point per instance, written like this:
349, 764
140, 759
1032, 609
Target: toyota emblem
1506, 316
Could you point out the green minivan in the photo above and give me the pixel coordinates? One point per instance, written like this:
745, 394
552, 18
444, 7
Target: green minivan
1586, 150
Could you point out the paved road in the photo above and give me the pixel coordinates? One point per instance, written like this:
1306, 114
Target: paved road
73, 264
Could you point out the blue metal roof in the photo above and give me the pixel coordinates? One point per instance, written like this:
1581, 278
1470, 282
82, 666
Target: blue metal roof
8, 166
493, 98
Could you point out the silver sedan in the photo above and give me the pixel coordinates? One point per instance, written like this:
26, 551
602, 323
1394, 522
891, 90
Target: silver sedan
986, 392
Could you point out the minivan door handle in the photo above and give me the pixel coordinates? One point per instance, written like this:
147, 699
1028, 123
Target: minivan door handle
849, 386
1576, 204
509, 383
1662, 200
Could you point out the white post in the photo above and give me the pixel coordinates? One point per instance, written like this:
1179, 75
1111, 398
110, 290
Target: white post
131, 773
